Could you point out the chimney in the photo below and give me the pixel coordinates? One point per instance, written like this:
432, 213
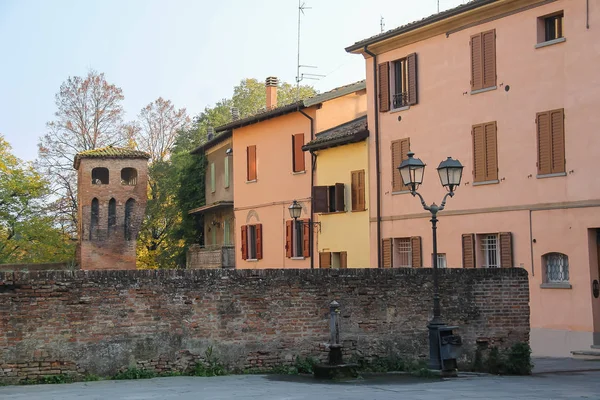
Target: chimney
235, 113
271, 86
210, 133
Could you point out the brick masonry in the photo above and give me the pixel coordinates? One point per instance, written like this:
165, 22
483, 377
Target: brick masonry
98, 322
104, 248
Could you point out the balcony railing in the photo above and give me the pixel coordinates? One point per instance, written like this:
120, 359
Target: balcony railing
400, 100
210, 257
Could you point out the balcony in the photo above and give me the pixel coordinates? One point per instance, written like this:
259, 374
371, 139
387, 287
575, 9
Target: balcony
210, 257
400, 100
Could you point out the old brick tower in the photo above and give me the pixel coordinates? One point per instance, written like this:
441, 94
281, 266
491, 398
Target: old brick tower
111, 200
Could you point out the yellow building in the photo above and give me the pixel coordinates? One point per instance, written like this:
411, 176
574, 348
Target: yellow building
340, 195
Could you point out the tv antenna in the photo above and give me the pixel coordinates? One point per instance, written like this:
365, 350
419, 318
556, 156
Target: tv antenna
301, 76
382, 24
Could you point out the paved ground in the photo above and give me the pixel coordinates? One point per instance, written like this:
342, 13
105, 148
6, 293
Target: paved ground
549, 364
578, 385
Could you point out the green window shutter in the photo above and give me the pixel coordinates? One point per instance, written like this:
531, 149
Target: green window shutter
212, 177
226, 171
226, 229
214, 235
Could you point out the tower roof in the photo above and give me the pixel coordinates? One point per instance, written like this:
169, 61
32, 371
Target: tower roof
109, 152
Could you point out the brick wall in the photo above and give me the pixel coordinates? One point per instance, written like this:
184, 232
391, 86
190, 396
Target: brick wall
101, 321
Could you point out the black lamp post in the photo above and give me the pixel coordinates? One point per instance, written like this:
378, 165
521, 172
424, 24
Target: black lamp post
450, 172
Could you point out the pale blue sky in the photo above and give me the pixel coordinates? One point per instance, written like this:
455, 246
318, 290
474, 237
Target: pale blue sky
189, 51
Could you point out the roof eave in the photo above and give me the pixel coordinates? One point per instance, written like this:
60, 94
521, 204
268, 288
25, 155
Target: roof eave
355, 138
262, 117
213, 142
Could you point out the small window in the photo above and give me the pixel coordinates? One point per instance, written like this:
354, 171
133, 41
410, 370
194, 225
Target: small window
128, 225
403, 253
490, 251
226, 169
129, 176
400, 149
252, 242
333, 260
403, 82
212, 178
441, 258
551, 158
298, 164
251, 172
329, 198
112, 215
483, 60
485, 152
358, 190
94, 218
556, 266
550, 27
100, 176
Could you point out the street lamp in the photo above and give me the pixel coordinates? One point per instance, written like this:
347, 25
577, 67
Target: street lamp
295, 210
450, 171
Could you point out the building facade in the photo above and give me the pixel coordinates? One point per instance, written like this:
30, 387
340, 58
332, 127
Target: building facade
510, 88
217, 215
111, 201
270, 171
340, 195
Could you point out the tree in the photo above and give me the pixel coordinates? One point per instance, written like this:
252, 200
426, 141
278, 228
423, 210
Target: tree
159, 124
89, 115
27, 234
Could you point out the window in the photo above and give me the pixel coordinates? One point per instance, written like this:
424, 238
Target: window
358, 190
297, 153
112, 215
333, 260
400, 149
490, 251
329, 198
94, 218
251, 163
129, 176
226, 167
100, 176
557, 267
485, 153
129, 205
483, 60
441, 259
402, 252
212, 177
252, 242
297, 239
226, 232
495, 250
398, 80
550, 27
551, 142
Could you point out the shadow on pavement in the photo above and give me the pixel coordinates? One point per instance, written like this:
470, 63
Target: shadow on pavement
364, 379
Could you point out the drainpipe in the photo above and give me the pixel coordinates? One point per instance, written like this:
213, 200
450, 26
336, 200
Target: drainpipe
313, 164
377, 166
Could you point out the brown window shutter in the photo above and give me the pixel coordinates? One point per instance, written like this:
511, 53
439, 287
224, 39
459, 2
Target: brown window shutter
386, 249
491, 152
384, 87
476, 62
251, 159
306, 238
289, 235
400, 149
259, 249
412, 79
343, 259
488, 40
417, 253
320, 202
325, 259
479, 162
557, 136
244, 242
339, 197
354, 190
506, 253
358, 190
468, 250
298, 154
544, 162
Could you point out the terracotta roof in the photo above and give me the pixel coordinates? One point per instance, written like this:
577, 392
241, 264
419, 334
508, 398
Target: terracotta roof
349, 132
109, 152
293, 107
471, 5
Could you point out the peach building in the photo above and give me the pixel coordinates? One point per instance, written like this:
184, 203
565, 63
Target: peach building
511, 89
270, 171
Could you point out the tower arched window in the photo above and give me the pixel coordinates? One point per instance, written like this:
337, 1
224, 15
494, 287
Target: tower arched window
95, 217
112, 215
129, 176
129, 208
100, 176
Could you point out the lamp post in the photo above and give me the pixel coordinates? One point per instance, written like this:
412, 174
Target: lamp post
450, 171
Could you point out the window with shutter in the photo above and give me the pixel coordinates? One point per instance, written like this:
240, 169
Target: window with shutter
343, 259
244, 237
358, 190
400, 149
403, 82
468, 250
386, 250
416, 250
551, 142
320, 199
329, 198
251, 163
506, 251
297, 153
384, 87
413, 97
325, 259
289, 237
483, 60
306, 238
212, 177
339, 197
226, 168
258, 242
485, 153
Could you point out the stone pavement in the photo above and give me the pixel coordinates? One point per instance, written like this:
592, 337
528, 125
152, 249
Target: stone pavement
544, 365
578, 385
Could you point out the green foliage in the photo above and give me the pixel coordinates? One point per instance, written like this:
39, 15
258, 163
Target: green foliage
210, 366
57, 379
134, 373
513, 361
494, 362
305, 365
91, 378
384, 364
27, 233
478, 361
